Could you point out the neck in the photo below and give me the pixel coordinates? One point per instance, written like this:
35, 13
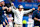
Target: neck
19, 10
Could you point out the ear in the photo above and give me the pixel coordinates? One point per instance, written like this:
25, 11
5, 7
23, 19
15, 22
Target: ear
22, 9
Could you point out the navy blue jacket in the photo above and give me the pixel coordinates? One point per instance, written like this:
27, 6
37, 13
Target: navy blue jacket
36, 14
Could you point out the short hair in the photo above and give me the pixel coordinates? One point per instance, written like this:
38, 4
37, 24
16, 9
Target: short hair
39, 5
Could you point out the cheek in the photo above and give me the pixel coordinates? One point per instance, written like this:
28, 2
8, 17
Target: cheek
20, 9
2, 2
39, 8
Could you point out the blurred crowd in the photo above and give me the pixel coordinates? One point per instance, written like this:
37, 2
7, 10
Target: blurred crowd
33, 1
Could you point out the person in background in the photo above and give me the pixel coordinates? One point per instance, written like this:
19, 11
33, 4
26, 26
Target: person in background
30, 21
29, 1
36, 17
38, 1
10, 20
35, 1
32, 1
6, 20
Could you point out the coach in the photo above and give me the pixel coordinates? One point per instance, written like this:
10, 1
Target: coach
36, 17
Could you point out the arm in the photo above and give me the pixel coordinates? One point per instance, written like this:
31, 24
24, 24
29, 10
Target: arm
13, 10
6, 20
36, 18
25, 12
4, 8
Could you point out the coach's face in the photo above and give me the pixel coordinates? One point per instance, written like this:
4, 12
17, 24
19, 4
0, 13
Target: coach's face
20, 9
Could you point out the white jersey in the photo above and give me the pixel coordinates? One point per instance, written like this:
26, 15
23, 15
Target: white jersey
10, 19
30, 21
19, 15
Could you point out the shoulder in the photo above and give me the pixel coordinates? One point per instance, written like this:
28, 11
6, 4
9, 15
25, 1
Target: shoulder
35, 10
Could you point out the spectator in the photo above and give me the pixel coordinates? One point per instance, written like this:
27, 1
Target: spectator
12, 0
10, 19
29, 1
32, 1
7, 1
30, 21
39, 1
35, 1
19, 0
23, 0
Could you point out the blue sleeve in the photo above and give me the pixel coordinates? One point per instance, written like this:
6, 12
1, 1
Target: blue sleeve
7, 20
34, 14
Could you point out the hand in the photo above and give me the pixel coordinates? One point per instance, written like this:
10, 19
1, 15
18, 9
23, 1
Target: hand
12, 4
33, 8
7, 24
9, 9
4, 23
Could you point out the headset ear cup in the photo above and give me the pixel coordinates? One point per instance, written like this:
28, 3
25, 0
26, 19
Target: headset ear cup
39, 5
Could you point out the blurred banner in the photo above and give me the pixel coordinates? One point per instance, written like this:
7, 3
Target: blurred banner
27, 5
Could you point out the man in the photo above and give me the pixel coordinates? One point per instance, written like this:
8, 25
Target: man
30, 21
10, 20
19, 15
2, 16
36, 17
6, 20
